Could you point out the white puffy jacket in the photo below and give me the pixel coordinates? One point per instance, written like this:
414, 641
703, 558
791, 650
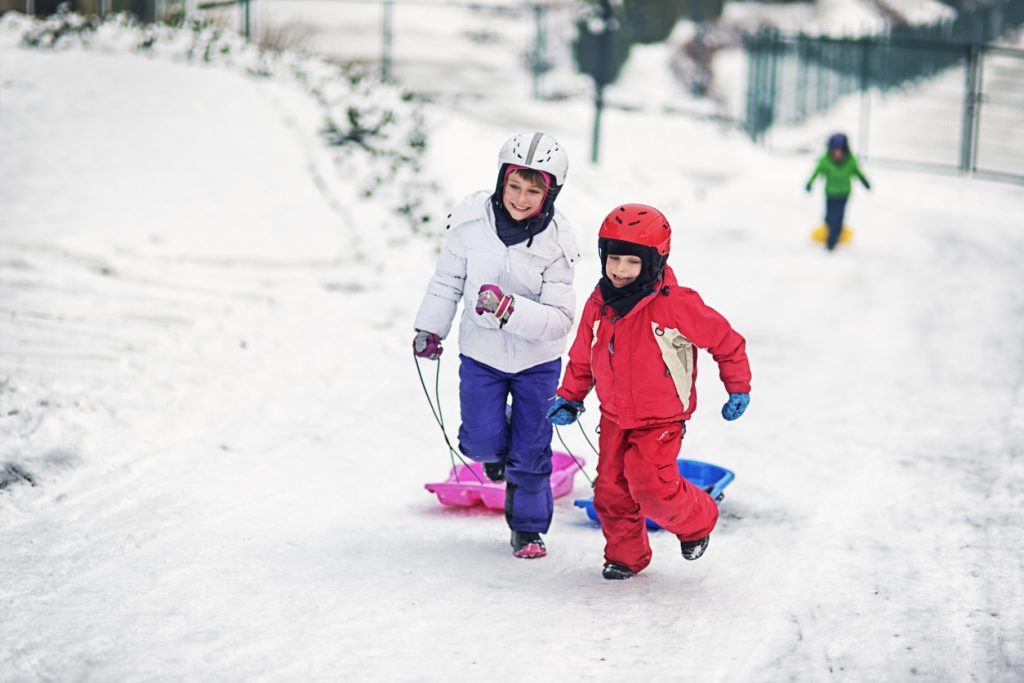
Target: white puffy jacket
540, 277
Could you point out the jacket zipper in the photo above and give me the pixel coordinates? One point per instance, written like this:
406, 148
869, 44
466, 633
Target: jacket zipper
504, 288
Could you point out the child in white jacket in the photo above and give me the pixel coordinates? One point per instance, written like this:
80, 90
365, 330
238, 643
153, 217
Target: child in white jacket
509, 256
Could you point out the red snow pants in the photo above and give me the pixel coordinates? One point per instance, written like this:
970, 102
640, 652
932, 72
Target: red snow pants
637, 476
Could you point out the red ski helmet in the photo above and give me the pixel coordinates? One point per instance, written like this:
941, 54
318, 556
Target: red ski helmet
639, 224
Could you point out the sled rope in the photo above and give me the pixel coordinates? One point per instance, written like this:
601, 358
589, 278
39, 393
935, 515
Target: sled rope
573, 456
587, 438
439, 417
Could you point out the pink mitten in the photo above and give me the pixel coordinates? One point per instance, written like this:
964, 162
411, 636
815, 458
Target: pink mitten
491, 299
427, 345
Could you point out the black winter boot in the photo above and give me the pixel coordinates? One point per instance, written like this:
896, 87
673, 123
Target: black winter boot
692, 550
528, 545
616, 572
495, 471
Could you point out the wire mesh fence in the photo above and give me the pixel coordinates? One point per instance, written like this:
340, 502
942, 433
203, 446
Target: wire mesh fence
926, 102
467, 48
934, 95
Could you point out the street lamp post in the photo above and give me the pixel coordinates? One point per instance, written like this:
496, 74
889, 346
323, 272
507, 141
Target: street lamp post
602, 26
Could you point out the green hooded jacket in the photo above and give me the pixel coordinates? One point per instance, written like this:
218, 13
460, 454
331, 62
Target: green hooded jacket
838, 177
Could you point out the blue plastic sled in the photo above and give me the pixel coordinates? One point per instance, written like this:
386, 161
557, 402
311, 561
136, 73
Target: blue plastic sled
711, 478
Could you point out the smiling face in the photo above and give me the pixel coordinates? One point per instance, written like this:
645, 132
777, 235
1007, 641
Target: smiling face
522, 198
622, 270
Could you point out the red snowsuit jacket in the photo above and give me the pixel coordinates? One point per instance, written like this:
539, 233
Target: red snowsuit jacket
644, 365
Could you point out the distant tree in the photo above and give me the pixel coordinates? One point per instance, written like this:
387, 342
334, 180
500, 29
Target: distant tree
650, 21
702, 11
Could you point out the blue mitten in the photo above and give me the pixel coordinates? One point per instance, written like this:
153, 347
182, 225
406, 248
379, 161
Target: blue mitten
564, 412
735, 406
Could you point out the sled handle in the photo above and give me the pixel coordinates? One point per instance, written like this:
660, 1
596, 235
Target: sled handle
717, 491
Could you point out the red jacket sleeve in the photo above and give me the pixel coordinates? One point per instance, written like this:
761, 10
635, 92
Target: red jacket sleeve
579, 378
709, 330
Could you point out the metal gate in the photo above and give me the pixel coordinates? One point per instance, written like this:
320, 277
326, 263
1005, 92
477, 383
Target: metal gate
998, 136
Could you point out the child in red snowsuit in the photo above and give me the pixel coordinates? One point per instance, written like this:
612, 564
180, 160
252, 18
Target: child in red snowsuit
637, 344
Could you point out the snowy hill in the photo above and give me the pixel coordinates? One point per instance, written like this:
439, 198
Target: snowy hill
205, 370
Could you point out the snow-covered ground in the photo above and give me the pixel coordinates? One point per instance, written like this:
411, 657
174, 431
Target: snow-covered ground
205, 369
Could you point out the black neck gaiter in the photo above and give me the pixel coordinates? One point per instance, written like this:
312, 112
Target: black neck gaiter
511, 231
623, 299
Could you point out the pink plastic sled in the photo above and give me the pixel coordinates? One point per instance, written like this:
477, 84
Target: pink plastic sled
464, 489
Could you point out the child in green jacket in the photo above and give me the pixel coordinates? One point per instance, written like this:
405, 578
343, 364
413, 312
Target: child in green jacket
839, 166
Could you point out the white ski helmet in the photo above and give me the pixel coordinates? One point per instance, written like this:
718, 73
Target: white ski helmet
538, 151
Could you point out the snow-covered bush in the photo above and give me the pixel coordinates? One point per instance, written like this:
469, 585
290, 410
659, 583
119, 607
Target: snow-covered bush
64, 29
374, 127
366, 121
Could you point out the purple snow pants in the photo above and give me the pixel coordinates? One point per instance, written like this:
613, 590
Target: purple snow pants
523, 441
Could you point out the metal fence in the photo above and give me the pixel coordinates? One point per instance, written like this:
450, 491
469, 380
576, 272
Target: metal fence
939, 95
949, 105
463, 48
